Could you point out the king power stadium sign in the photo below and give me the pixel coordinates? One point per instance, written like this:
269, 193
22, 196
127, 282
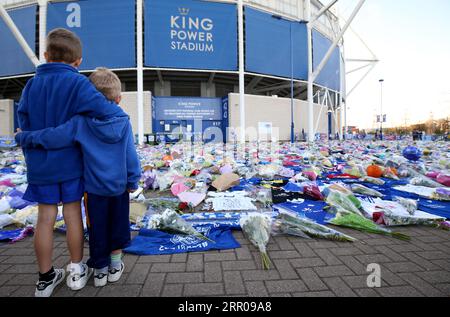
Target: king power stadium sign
190, 33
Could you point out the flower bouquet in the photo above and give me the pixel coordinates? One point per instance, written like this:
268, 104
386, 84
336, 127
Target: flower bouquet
362, 190
410, 205
390, 219
441, 194
395, 213
257, 228
424, 181
356, 171
169, 221
149, 179
445, 226
358, 222
268, 171
344, 202
280, 227
160, 164
390, 173
291, 224
158, 205
312, 190
326, 163
373, 180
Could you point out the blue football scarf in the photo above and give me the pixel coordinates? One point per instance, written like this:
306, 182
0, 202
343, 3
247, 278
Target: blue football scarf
153, 242
310, 209
7, 142
223, 220
15, 235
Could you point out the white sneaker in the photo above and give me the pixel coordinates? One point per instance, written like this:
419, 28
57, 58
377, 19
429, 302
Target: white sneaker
115, 274
100, 278
78, 276
45, 289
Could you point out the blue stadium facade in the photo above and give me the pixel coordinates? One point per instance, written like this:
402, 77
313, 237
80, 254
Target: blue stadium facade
190, 46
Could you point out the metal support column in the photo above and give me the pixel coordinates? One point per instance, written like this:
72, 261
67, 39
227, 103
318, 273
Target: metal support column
241, 70
310, 75
292, 88
140, 69
42, 29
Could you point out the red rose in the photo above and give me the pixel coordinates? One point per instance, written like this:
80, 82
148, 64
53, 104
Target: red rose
183, 206
195, 173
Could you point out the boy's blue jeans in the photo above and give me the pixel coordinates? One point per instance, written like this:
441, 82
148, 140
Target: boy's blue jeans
109, 226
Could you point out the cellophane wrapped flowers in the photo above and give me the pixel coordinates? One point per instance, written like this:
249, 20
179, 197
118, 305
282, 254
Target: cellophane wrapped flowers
357, 222
362, 190
291, 224
169, 221
257, 228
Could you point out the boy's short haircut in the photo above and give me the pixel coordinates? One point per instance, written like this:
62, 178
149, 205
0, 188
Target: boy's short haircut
63, 46
107, 83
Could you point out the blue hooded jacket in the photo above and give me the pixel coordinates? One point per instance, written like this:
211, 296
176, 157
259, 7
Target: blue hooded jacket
57, 93
111, 165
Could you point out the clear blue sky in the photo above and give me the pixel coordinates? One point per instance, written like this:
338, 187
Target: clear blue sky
412, 40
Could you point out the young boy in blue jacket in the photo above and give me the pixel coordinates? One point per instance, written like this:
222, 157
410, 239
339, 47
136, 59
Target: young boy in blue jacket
56, 94
111, 171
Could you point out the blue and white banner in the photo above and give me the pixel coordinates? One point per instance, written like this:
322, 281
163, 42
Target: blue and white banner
106, 28
153, 242
275, 46
190, 34
13, 60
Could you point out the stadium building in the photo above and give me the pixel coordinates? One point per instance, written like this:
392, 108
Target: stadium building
186, 55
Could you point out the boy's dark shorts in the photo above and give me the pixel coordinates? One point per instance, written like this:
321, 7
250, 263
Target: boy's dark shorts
66, 192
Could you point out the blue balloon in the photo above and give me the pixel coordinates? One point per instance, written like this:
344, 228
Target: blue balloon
412, 153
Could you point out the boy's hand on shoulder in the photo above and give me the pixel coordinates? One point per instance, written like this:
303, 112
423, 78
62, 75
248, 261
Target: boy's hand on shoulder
17, 136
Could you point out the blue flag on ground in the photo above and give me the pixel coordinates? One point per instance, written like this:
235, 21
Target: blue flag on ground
153, 242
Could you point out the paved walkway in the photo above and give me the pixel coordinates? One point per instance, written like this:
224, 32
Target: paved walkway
420, 267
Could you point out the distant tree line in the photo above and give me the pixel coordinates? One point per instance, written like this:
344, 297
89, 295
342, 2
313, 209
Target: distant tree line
430, 127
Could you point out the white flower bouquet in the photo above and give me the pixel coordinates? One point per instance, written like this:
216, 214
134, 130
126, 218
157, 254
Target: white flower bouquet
362, 190
288, 223
169, 221
410, 204
372, 180
257, 228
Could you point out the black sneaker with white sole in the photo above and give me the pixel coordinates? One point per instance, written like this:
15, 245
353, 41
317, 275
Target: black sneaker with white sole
115, 274
45, 289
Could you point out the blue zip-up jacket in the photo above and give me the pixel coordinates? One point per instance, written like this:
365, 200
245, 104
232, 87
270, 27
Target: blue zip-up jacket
110, 161
57, 93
